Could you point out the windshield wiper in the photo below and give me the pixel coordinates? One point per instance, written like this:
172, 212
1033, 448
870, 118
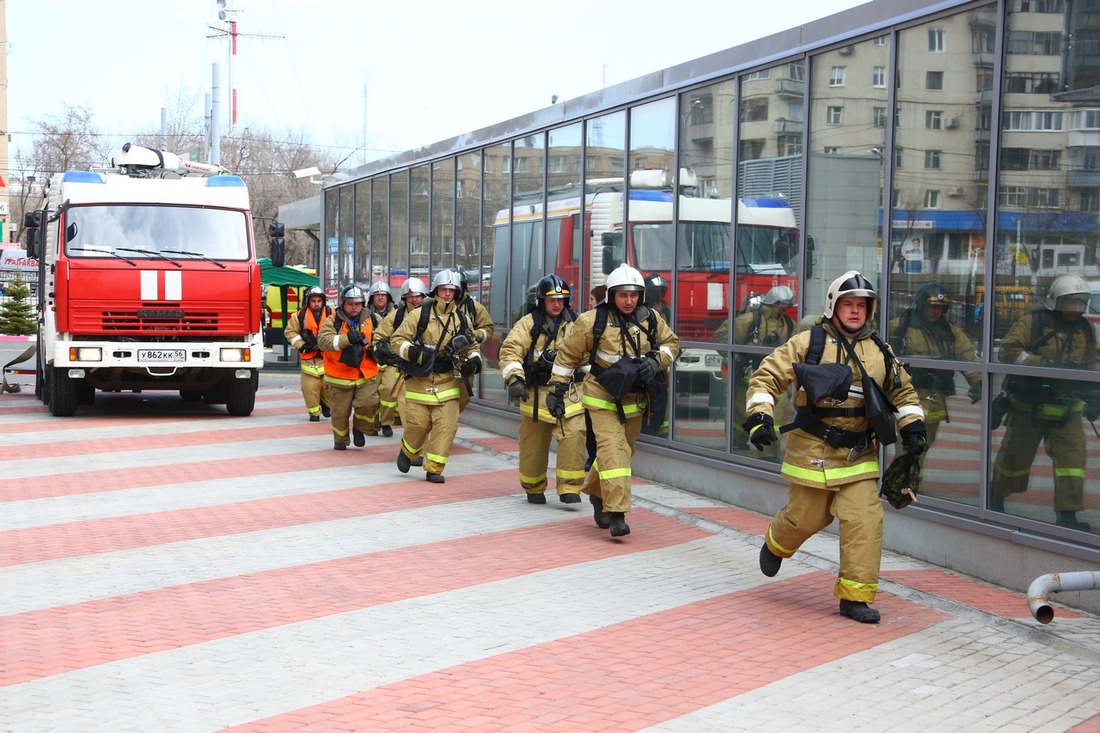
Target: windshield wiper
195, 254
104, 252
150, 252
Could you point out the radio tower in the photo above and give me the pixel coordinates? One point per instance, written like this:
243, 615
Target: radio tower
232, 34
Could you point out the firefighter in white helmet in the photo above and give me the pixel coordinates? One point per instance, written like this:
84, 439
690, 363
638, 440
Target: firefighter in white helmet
627, 345
437, 356
526, 360
380, 305
413, 293
301, 333
350, 370
831, 458
1046, 410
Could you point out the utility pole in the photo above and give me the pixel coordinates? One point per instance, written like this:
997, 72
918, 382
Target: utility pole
232, 34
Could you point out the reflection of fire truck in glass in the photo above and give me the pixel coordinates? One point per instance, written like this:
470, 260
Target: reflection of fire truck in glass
767, 242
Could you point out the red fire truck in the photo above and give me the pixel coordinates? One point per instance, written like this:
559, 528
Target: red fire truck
148, 281
767, 242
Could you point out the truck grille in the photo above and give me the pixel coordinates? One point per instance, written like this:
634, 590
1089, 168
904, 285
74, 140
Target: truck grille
161, 319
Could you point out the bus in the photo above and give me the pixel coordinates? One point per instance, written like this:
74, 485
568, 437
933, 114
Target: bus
590, 228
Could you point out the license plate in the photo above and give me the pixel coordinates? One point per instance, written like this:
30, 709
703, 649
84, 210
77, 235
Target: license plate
162, 356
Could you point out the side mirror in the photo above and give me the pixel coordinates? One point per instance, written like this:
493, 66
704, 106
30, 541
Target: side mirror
809, 257
276, 230
607, 262
32, 226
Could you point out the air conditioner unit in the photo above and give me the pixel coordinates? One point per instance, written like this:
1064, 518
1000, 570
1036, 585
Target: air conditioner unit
846, 50
951, 123
958, 191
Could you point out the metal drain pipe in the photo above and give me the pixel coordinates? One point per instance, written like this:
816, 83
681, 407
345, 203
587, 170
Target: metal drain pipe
1044, 585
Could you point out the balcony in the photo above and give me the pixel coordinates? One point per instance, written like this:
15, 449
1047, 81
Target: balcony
788, 127
790, 89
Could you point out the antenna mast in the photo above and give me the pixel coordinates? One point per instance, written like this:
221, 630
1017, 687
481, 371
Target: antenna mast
227, 14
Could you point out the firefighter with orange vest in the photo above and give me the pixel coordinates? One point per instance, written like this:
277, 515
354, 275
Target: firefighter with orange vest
350, 369
437, 356
301, 333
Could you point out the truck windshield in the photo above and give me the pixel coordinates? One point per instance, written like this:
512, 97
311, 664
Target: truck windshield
100, 231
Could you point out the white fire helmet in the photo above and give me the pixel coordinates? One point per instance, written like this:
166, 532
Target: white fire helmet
1068, 286
413, 286
447, 279
354, 293
851, 284
624, 277
379, 287
779, 294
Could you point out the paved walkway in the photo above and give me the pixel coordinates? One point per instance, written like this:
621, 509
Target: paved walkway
165, 567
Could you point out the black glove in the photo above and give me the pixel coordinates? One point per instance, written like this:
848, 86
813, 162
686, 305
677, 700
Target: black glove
1092, 409
555, 400
416, 353
648, 368
355, 337
975, 392
914, 438
304, 347
761, 430
471, 366
517, 390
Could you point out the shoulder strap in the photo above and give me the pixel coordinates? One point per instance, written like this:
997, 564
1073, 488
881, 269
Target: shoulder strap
598, 327
425, 314
817, 344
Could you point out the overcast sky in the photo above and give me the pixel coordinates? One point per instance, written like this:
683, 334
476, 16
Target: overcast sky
391, 74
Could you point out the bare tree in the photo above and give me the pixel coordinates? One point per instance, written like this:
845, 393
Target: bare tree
68, 142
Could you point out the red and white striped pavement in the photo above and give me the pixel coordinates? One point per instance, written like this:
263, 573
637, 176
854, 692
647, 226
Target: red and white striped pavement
165, 567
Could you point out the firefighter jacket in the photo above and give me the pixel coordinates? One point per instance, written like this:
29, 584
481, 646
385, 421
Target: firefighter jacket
622, 338
481, 324
535, 370
340, 353
444, 323
809, 460
913, 335
762, 326
313, 321
1045, 338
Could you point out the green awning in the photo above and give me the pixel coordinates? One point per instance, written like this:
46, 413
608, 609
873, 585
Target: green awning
271, 275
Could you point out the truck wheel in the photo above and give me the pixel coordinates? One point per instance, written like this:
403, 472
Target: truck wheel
240, 396
62, 393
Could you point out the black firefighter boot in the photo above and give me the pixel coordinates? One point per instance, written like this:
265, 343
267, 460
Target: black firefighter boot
602, 520
619, 527
859, 611
769, 561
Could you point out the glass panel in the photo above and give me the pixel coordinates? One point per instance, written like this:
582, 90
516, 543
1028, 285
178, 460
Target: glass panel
1045, 252
936, 255
331, 249
399, 226
565, 213
605, 170
766, 249
496, 230
706, 118
420, 190
468, 226
347, 234
650, 232
443, 200
528, 222
380, 243
362, 233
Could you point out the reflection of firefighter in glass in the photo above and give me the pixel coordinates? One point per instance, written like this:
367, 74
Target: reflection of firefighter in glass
656, 421
526, 359
1045, 409
765, 325
924, 330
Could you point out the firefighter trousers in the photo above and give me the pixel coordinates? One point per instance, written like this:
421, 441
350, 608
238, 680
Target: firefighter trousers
429, 428
356, 404
609, 478
1063, 441
858, 509
534, 454
315, 390
387, 394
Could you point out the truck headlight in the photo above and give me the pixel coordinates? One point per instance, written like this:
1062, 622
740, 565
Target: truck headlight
236, 354
85, 353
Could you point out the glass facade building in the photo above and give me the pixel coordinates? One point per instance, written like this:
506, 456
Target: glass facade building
949, 148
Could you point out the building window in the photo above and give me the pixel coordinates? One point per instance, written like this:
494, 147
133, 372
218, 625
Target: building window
936, 43
1034, 43
834, 115
836, 76
831, 150
1046, 160
881, 40
897, 200
1032, 121
878, 77
754, 110
790, 144
758, 75
1090, 199
1012, 196
1044, 198
1037, 6
796, 72
933, 119
897, 158
933, 80
931, 158
931, 199
878, 114
1015, 159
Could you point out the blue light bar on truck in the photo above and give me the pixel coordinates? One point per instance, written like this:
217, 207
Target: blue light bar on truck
82, 177
225, 182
